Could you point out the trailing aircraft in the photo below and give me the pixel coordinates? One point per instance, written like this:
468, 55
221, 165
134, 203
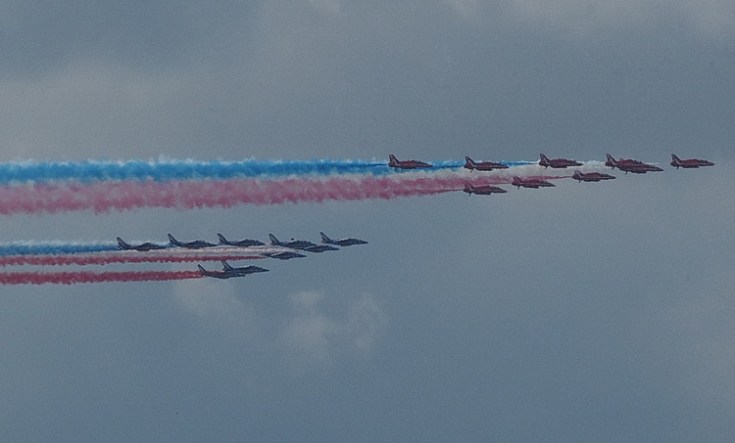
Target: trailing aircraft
243, 270
689, 162
630, 165
557, 162
393, 162
147, 246
220, 274
534, 183
241, 243
320, 248
482, 166
342, 241
196, 244
293, 244
483, 189
591, 176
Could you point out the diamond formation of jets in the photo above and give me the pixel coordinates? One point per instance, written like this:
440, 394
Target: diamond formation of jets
630, 165
393, 162
591, 176
547, 162
482, 166
483, 189
689, 163
341, 241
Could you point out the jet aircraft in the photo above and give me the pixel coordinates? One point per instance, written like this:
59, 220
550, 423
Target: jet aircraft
591, 176
225, 274
557, 162
243, 270
196, 244
689, 162
293, 244
483, 189
630, 165
147, 246
341, 241
320, 248
241, 243
283, 255
534, 183
393, 162
482, 166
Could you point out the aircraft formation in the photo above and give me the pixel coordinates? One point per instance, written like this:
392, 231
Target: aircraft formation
175, 251
28, 187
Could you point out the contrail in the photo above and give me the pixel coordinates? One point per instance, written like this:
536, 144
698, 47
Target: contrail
54, 247
19, 172
70, 278
104, 197
121, 257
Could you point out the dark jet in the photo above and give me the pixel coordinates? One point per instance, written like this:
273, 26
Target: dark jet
342, 241
482, 166
283, 255
196, 244
534, 183
591, 176
293, 244
557, 162
147, 246
689, 162
320, 248
244, 270
219, 274
240, 243
393, 162
483, 189
630, 165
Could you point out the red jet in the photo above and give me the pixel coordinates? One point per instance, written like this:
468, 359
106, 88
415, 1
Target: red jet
689, 163
534, 183
482, 166
393, 162
483, 189
629, 165
591, 176
557, 162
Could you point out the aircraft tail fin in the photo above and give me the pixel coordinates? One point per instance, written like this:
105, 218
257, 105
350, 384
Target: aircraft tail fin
543, 160
122, 244
611, 160
274, 240
392, 160
226, 266
468, 162
222, 239
202, 270
675, 161
325, 239
173, 241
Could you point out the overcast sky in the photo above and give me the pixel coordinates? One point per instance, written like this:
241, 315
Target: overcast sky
585, 312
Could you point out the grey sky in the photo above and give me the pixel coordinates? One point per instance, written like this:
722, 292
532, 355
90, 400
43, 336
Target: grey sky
586, 312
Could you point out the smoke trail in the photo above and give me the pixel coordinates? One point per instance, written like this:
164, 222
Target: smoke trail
36, 248
121, 196
70, 278
122, 257
169, 169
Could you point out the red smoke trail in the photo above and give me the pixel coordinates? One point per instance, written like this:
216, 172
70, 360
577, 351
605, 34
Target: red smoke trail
121, 196
70, 278
107, 258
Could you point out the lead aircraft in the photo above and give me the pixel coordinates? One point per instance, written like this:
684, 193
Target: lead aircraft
689, 162
341, 241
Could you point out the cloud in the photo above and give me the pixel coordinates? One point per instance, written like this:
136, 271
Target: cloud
313, 336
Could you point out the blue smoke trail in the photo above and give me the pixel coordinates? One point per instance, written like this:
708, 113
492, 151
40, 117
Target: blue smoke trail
167, 170
54, 248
